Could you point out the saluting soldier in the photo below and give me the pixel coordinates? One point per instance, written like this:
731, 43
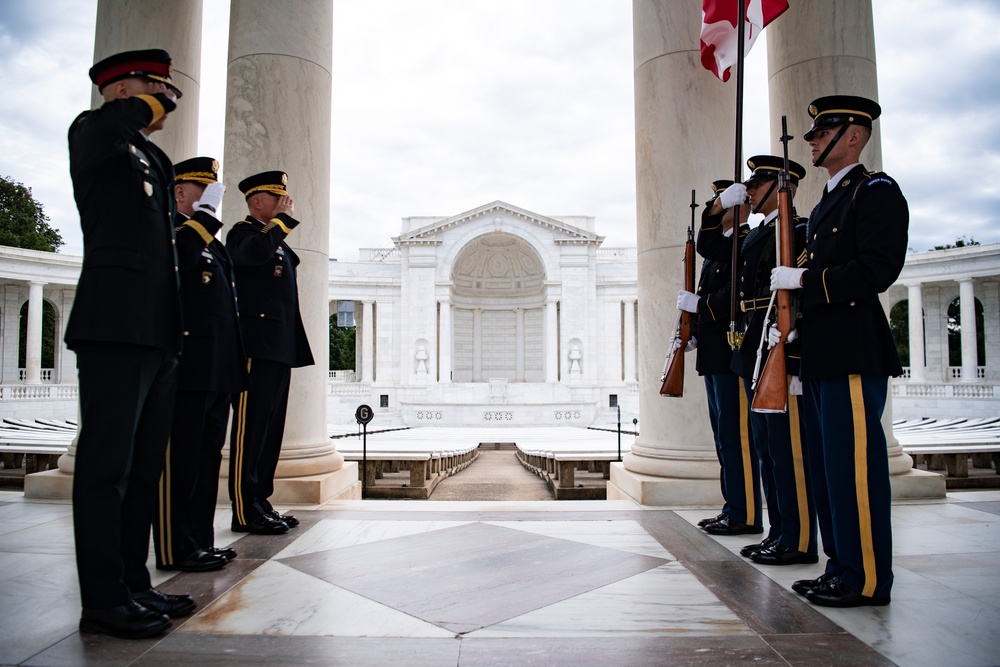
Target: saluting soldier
125, 328
728, 409
212, 370
275, 342
857, 239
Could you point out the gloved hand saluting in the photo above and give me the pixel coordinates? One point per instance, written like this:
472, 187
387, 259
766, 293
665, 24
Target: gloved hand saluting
211, 199
687, 301
733, 195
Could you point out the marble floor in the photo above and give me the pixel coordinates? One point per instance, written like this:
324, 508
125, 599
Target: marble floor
516, 583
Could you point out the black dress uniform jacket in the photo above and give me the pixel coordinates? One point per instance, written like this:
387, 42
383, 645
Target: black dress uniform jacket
714, 288
212, 358
269, 302
128, 288
856, 249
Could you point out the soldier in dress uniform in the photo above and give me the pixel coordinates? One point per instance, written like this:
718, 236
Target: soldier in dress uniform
212, 370
727, 401
275, 342
857, 239
125, 328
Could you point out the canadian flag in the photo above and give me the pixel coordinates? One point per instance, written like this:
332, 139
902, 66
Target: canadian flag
718, 30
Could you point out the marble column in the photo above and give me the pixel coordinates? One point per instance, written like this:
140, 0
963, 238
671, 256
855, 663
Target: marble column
367, 342
991, 328
477, 345
916, 331
278, 98
444, 341
967, 310
816, 49
519, 345
628, 341
33, 335
11, 323
685, 128
174, 26
551, 341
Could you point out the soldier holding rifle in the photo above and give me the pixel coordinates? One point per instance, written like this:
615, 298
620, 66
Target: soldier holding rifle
728, 406
857, 238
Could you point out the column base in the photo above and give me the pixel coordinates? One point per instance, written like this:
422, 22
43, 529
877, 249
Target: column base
662, 491
49, 484
914, 484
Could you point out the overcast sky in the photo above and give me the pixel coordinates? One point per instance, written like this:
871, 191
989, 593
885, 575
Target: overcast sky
440, 106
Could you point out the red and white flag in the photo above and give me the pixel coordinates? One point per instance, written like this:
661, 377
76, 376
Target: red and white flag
718, 30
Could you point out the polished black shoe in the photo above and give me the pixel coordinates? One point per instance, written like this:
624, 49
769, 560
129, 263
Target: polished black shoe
705, 522
128, 621
173, 606
200, 561
760, 546
837, 594
779, 554
286, 519
727, 527
263, 525
804, 586
226, 552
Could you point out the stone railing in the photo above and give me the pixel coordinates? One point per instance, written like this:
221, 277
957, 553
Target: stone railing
343, 388
343, 376
944, 390
38, 392
46, 375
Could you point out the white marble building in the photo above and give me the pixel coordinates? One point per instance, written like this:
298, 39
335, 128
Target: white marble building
502, 316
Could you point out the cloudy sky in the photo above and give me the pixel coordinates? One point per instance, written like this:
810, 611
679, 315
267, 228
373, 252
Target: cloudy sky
443, 105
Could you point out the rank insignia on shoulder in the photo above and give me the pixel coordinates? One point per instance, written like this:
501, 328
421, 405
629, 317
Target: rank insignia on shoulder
880, 179
147, 188
278, 270
206, 277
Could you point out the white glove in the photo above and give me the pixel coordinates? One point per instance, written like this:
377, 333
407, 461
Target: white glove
774, 336
211, 199
795, 386
687, 301
785, 277
676, 343
733, 195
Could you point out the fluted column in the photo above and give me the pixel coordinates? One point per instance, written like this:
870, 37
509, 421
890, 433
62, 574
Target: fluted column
278, 98
915, 301
477, 345
681, 109
519, 345
150, 24
367, 342
551, 342
970, 348
33, 335
816, 49
628, 341
444, 344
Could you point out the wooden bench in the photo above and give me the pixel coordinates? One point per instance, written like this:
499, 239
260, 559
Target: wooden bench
559, 470
948, 443
426, 469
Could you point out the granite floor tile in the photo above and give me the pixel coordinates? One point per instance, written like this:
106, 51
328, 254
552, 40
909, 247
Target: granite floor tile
621, 535
832, 650
467, 577
337, 533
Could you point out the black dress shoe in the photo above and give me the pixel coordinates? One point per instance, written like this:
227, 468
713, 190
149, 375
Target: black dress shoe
262, 525
779, 554
286, 519
128, 621
760, 546
804, 586
199, 561
705, 522
226, 552
727, 527
837, 594
173, 606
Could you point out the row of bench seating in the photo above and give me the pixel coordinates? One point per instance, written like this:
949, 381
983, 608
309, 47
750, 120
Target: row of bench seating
948, 444
427, 464
38, 443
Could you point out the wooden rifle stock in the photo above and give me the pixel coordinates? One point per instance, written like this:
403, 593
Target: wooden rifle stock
771, 393
673, 379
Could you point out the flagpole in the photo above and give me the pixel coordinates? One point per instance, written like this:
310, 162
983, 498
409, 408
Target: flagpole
741, 19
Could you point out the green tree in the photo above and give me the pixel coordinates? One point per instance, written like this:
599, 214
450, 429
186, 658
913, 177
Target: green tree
960, 242
23, 223
341, 346
955, 333
899, 324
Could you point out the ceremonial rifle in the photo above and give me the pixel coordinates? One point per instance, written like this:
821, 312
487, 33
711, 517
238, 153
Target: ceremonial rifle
734, 336
672, 380
771, 389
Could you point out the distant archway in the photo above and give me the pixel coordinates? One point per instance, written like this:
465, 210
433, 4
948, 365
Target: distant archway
955, 334
48, 335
